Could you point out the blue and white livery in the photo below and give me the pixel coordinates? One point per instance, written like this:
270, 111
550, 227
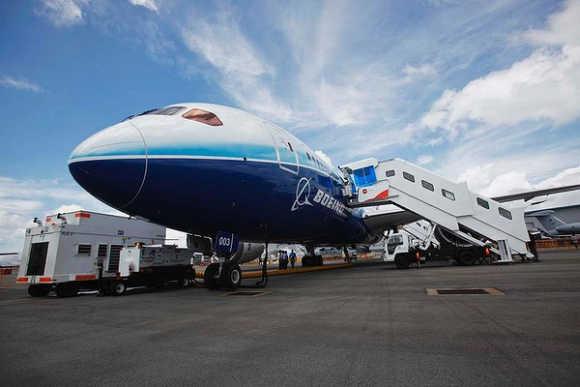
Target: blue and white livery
204, 168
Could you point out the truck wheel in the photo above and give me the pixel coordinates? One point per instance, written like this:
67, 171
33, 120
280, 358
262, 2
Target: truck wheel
209, 276
187, 280
67, 290
402, 261
119, 288
466, 258
233, 276
38, 290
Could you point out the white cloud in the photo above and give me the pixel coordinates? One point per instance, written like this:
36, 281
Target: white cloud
20, 84
62, 13
414, 73
65, 208
9, 260
149, 4
330, 88
10, 204
498, 168
424, 159
242, 72
569, 176
42, 197
562, 27
542, 87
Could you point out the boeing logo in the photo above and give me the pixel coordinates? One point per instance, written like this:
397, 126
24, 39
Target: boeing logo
321, 198
302, 194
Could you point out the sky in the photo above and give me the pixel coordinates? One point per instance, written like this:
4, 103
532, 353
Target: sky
486, 92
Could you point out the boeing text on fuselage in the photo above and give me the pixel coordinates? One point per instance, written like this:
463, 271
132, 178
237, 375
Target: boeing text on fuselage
321, 198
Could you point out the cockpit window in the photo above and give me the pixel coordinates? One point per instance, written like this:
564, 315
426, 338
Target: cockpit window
203, 116
169, 111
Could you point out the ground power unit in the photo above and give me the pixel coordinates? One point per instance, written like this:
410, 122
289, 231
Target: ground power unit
84, 250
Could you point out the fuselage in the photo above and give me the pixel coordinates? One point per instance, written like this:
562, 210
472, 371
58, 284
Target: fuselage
222, 169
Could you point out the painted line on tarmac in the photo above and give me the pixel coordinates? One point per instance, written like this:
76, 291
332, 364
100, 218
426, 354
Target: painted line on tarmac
298, 270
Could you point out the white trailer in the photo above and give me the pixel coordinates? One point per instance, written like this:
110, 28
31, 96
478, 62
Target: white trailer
152, 265
65, 251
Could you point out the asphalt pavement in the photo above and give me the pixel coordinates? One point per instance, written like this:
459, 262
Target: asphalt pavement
367, 325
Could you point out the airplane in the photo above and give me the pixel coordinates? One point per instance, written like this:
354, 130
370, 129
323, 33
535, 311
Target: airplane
215, 170
541, 214
550, 225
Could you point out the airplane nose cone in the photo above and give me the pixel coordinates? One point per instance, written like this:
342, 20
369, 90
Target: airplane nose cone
111, 165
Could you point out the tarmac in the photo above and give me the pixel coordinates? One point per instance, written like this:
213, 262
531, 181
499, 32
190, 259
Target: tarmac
366, 325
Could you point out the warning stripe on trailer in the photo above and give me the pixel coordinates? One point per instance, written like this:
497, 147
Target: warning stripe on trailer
85, 277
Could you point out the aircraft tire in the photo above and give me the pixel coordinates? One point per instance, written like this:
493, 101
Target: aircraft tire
209, 276
38, 290
232, 276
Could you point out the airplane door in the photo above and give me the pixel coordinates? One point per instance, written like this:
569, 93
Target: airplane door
287, 155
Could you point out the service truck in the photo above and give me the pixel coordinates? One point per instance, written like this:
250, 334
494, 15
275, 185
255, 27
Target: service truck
84, 250
422, 241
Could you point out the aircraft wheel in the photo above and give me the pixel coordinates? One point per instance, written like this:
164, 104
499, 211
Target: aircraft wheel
38, 290
307, 260
209, 276
232, 276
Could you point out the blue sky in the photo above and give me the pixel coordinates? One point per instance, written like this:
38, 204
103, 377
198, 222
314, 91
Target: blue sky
479, 91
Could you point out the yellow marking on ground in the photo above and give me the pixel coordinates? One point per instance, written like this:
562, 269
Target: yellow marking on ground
494, 292
297, 270
238, 293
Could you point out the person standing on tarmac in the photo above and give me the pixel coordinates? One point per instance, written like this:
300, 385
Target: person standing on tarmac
292, 258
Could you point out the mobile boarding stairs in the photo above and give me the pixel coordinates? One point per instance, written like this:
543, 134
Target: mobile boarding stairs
471, 217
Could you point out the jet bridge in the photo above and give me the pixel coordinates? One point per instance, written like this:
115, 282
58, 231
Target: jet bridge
471, 217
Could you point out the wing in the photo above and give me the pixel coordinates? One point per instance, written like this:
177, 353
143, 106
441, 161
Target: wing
532, 194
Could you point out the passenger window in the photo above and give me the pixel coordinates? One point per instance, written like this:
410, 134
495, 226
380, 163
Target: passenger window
84, 250
427, 185
203, 116
505, 213
409, 177
483, 203
390, 173
448, 194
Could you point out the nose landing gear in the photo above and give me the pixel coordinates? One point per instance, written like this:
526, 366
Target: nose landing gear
226, 274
